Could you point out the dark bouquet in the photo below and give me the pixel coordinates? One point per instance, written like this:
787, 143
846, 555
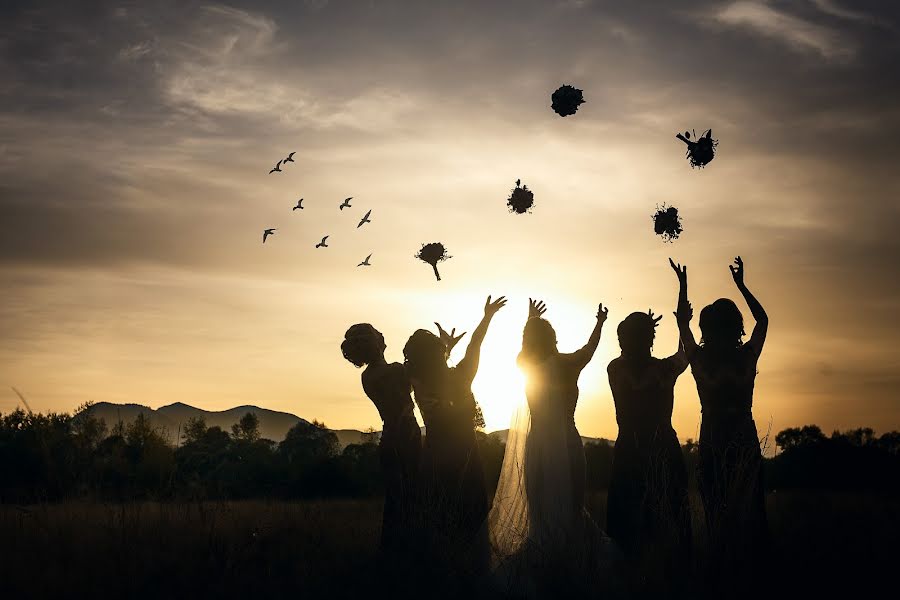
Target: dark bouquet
565, 100
667, 223
701, 152
521, 200
432, 254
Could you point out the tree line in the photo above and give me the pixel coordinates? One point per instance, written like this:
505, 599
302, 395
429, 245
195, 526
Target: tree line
57, 456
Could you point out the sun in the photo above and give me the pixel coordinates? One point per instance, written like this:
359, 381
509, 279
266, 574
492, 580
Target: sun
499, 386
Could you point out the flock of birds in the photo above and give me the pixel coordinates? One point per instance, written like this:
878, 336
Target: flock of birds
565, 101
299, 206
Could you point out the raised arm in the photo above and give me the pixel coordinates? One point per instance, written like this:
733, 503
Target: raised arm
683, 312
584, 355
468, 366
758, 337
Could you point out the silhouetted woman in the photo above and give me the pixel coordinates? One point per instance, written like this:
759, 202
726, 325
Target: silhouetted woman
543, 540
729, 471
647, 503
551, 388
455, 503
388, 387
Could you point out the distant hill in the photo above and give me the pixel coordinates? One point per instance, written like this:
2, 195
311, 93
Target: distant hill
273, 425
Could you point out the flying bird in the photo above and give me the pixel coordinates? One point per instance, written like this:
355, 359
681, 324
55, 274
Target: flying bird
346, 203
322, 244
276, 168
299, 205
267, 233
365, 263
364, 220
290, 158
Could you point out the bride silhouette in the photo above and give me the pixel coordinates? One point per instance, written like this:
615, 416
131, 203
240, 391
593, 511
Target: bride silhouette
542, 538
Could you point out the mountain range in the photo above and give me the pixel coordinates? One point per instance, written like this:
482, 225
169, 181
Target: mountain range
273, 424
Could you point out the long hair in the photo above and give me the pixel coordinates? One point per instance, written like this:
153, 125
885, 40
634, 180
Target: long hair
636, 334
538, 341
721, 325
424, 356
362, 344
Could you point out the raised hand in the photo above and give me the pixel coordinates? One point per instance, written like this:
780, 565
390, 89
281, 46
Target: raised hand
684, 313
536, 308
491, 308
655, 320
602, 314
449, 339
737, 271
680, 271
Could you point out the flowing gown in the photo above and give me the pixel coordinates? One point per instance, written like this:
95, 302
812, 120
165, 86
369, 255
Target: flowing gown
730, 469
455, 502
544, 542
399, 452
648, 512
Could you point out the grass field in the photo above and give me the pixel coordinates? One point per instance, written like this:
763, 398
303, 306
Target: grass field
820, 542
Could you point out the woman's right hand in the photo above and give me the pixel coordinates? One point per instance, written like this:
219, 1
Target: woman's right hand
680, 271
491, 308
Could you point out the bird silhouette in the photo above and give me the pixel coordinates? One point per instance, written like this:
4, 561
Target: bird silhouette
267, 233
518, 182
365, 263
322, 244
276, 168
299, 205
364, 220
290, 158
346, 203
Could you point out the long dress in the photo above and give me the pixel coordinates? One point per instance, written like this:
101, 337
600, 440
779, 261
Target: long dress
455, 503
544, 542
730, 467
399, 452
648, 511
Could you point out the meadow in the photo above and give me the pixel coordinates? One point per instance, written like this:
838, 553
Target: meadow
822, 542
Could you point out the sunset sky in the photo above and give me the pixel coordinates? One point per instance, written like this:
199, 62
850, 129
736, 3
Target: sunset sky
135, 144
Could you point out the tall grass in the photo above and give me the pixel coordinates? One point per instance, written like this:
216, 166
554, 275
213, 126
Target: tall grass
820, 543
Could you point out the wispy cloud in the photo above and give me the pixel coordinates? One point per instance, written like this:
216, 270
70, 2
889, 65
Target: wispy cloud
797, 33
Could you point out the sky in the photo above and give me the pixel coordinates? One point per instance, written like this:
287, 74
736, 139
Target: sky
136, 140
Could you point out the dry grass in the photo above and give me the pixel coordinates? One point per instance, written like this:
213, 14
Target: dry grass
820, 542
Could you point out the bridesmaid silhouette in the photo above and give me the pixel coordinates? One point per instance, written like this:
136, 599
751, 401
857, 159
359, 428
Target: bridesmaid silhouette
388, 388
647, 503
456, 502
729, 472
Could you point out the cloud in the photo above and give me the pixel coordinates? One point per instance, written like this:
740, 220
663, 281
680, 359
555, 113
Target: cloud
797, 33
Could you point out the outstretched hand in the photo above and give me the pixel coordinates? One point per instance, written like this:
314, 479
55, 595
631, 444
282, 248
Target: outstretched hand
536, 308
684, 313
655, 320
491, 308
449, 339
602, 314
737, 271
680, 271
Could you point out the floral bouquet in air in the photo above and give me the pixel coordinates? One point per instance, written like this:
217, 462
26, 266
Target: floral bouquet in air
566, 100
521, 200
432, 254
667, 223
